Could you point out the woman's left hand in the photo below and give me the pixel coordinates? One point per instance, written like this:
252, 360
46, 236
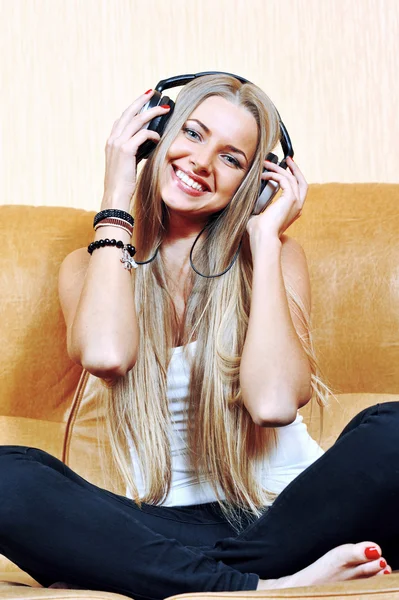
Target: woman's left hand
286, 209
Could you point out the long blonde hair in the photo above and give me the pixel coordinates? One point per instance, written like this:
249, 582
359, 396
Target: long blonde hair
223, 442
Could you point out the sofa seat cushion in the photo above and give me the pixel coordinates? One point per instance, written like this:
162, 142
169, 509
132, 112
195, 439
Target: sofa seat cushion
28, 589
375, 588
385, 587
14, 579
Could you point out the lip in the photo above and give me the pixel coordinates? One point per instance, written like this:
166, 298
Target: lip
188, 190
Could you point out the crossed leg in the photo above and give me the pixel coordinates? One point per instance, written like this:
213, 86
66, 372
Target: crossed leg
317, 529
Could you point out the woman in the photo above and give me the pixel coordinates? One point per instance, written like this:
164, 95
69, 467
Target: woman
226, 490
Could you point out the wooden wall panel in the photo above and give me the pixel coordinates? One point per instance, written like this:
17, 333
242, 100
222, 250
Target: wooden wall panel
68, 68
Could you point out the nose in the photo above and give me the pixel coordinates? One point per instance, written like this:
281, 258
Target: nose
201, 161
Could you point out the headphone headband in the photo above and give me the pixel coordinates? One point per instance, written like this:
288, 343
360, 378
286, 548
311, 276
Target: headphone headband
166, 84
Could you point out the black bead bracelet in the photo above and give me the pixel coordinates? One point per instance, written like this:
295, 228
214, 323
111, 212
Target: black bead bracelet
113, 212
118, 244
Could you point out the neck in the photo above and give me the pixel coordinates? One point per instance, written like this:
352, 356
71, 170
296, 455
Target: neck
181, 229
176, 246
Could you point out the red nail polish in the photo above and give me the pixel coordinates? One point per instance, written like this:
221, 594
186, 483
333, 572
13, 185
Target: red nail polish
383, 563
386, 572
148, 91
165, 106
372, 552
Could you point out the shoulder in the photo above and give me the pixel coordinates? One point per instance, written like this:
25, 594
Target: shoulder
292, 251
295, 269
74, 265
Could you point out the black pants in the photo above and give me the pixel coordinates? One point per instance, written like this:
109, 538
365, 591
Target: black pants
58, 527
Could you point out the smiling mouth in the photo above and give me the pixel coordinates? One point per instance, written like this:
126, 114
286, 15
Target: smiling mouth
189, 181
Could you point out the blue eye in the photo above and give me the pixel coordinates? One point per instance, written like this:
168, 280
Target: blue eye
191, 133
233, 161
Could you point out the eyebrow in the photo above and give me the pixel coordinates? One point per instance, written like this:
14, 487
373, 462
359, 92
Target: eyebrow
229, 146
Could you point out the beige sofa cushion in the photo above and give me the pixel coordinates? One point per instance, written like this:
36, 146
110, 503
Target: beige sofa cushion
37, 379
377, 588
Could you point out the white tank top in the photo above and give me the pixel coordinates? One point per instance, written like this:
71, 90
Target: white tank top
295, 450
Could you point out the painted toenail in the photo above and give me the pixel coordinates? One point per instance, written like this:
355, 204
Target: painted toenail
383, 563
386, 572
372, 552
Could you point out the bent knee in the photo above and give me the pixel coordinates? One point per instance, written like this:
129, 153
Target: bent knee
390, 408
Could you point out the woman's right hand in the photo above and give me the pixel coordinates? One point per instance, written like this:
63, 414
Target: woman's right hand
121, 148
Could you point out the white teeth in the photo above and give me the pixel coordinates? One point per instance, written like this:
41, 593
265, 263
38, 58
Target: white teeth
188, 181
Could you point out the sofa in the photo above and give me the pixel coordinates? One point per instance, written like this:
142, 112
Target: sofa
350, 233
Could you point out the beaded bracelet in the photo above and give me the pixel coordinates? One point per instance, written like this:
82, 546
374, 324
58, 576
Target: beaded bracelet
128, 251
113, 212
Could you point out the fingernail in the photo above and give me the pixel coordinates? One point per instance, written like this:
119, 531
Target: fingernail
148, 91
386, 572
383, 563
372, 552
165, 106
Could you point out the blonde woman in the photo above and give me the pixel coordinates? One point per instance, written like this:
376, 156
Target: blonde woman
225, 490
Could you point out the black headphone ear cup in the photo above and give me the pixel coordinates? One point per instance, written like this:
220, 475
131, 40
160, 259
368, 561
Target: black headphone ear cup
267, 189
272, 158
158, 124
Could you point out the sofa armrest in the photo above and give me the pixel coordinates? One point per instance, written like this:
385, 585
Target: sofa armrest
337, 414
20, 431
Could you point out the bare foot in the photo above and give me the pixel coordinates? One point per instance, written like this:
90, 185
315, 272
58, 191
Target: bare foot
340, 564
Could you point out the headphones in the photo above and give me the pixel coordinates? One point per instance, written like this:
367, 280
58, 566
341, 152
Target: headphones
268, 189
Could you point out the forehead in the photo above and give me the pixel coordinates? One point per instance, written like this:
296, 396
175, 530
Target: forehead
231, 124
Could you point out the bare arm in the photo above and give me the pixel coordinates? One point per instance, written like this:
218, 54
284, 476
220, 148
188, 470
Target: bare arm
275, 373
96, 296
96, 291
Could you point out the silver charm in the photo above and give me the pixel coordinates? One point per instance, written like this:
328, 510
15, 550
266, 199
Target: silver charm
127, 261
